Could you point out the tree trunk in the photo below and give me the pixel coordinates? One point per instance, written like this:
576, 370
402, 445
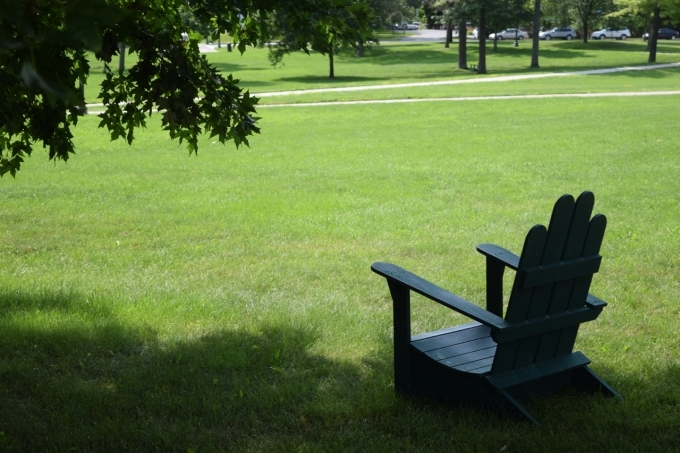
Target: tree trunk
495, 41
536, 28
449, 33
655, 34
331, 72
462, 45
121, 59
649, 26
584, 20
481, 64
360, 48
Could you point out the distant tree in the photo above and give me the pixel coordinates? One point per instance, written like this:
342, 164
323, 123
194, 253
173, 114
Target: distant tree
431, 13
458, 12
557, 13
466, 11
192, 23
482, 32
446, 14
462, 43
664, 10
347, 26
655, 11
536, 29
640, 10
384, 12
506, 14
585, 10
482, 9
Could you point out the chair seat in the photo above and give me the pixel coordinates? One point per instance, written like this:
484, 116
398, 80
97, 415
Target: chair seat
467, 348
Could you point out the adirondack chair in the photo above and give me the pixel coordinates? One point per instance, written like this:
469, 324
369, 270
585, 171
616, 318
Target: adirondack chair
498, 362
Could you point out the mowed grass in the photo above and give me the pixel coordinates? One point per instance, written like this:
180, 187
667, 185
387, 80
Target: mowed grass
407, 62
151, 301
653, 80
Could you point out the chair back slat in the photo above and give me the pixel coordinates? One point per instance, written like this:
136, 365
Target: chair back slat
532, 252
582, 285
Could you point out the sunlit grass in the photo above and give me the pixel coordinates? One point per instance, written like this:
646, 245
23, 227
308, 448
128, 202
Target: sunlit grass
154, 301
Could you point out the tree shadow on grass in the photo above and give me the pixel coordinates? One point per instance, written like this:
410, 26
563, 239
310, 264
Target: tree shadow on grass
615, 45
388, 56
74, 376
655, 74
393, 56
325, 80
229, 68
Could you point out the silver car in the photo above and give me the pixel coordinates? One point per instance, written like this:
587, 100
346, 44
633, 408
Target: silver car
510, 33
559, 32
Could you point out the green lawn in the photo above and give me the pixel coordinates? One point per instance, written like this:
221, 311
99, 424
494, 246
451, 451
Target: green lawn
151, 301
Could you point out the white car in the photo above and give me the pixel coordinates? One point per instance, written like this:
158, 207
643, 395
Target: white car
413, 26
510, 33
608, 33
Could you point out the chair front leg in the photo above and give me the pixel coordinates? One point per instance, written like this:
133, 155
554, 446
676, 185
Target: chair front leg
401, 308
494, 286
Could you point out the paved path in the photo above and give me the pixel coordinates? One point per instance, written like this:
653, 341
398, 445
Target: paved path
461, 81
478, 98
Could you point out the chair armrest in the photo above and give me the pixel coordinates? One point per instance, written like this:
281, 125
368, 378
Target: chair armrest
440, 295
499, 253
595, 302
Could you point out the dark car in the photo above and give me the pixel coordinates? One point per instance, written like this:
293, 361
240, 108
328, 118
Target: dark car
664, 33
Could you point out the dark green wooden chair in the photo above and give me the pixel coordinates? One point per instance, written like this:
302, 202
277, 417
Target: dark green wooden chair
495, 362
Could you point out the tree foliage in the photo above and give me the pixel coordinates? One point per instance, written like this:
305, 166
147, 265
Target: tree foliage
483, 13
346, 26
43, 59
653, 12
585, 10
193, 24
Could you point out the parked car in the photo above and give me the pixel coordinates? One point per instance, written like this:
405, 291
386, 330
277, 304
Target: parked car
664, 33
407, 26
559, 32
605, 33
510, 33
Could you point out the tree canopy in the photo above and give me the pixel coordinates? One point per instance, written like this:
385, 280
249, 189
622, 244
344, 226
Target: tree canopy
43, 60
348, 25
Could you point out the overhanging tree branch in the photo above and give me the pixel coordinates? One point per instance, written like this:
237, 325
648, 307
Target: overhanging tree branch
43, 46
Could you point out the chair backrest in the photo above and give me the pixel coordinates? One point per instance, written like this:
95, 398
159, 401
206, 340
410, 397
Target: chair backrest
554, 274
